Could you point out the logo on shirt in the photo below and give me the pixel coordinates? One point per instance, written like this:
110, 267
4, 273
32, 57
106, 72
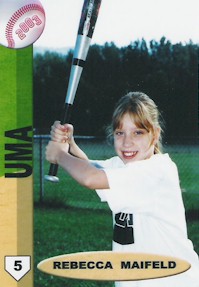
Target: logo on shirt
123, 229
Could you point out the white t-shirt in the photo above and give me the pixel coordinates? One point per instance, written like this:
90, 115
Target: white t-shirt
145, 198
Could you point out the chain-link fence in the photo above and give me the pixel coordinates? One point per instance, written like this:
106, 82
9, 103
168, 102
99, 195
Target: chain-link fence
61, 228
69, 193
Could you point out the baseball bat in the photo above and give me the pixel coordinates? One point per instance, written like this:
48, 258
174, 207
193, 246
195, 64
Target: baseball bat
86, 28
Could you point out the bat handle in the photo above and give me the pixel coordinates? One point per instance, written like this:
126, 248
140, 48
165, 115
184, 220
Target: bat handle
52, 174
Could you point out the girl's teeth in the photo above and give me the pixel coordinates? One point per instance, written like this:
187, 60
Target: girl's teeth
130, 153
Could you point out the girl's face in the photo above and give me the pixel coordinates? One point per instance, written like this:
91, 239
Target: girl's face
133, 143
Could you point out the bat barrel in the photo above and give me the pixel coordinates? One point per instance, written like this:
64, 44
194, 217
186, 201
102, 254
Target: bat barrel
87, 24
89, 16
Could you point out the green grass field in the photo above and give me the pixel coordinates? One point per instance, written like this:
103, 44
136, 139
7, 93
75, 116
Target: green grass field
70, 218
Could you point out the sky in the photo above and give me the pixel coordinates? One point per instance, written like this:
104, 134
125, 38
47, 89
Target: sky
122, 21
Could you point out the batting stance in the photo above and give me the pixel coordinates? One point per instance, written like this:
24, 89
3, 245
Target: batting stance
140, 185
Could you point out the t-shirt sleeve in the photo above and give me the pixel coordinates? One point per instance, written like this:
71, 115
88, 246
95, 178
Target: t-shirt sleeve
131, 188
102, 164
113, 162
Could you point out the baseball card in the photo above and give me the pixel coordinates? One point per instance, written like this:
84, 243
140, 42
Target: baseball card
99, 143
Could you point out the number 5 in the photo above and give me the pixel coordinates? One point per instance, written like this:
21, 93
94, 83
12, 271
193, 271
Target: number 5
18, 265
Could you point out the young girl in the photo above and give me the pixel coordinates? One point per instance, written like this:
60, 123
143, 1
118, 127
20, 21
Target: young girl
140, 185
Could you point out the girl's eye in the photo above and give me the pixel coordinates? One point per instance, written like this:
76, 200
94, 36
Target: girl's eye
119, 133
139, 132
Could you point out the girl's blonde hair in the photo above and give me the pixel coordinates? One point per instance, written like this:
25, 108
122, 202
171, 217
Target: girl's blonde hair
144, 112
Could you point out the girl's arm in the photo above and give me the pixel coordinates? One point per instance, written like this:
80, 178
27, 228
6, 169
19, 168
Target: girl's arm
64, 133
76, 151
81, 170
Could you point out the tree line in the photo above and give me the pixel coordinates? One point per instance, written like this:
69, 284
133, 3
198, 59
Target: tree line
167, 72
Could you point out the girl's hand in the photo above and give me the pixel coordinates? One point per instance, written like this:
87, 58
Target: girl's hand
62, 133
54, 150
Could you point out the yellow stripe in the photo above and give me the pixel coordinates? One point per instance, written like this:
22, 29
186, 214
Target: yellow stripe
15, 225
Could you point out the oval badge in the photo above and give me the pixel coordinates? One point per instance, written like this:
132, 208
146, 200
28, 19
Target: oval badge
113, 266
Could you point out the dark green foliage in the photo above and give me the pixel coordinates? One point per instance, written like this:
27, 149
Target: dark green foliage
166, 72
